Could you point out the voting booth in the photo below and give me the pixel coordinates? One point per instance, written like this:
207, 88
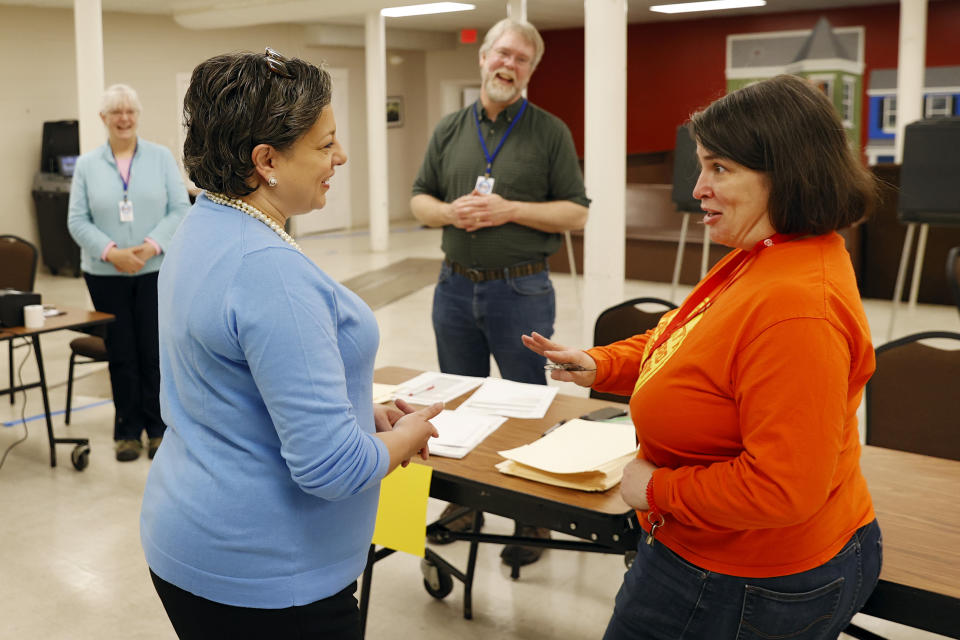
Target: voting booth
51, 195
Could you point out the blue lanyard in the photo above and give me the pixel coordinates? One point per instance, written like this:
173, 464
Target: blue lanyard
486, 152
126, 182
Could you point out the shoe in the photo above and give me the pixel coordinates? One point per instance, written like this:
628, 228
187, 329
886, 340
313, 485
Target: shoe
153, 446
459, 525
515, 555
128, 450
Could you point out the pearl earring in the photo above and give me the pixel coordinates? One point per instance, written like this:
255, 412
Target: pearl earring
272, 181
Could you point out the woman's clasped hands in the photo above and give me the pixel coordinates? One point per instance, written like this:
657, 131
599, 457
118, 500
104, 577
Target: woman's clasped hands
412, 425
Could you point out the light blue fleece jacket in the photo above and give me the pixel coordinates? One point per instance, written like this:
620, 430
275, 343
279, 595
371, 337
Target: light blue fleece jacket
155, 189
265, 490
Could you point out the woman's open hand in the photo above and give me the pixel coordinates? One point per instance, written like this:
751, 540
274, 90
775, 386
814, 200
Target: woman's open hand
559, 354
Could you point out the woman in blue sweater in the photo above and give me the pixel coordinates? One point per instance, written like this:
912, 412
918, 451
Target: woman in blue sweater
126, 201
259, 508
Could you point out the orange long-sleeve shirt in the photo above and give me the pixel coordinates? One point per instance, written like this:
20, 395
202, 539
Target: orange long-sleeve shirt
750, 411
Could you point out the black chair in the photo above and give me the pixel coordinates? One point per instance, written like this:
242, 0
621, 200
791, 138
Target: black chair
623, 321
953, 274
18, 270
90, 349
911, 399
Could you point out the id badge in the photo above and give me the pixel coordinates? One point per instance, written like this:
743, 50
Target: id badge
484, 185
126, 211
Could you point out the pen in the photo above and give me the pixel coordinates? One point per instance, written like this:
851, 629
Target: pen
419, 391
552, 428
565, 366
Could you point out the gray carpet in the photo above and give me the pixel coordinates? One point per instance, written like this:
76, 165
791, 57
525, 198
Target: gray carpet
382, 286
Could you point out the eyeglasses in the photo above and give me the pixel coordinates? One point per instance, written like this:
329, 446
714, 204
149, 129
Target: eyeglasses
277, 63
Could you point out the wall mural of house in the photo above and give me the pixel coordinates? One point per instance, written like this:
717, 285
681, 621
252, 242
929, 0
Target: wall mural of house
830, 58
941, 99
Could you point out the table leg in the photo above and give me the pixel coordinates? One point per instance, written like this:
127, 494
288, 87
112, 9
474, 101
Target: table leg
46, 401
365, 590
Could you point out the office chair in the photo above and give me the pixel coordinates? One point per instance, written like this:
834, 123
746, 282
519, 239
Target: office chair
18, 270
91, 349
910, 400
953, 274
622, 321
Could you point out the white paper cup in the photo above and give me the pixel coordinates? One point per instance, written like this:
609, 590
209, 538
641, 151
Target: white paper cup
33, 316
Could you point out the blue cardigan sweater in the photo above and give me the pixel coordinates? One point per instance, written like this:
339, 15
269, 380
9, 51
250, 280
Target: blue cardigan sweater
265, 490
155, 189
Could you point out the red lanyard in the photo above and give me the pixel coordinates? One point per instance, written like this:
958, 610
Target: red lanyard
716, 284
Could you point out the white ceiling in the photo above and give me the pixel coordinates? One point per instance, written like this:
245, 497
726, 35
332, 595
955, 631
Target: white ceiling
545, 14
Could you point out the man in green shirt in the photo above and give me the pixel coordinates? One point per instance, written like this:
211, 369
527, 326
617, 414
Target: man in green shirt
502, 178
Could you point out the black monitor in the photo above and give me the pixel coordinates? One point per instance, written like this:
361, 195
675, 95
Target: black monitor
60, 138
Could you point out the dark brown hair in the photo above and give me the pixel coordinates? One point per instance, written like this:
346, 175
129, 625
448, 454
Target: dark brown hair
237, 101
789, 130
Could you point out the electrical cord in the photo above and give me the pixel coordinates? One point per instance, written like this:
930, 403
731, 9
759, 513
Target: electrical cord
23, 407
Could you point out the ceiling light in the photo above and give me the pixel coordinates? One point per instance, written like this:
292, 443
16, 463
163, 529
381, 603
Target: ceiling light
710, 5
425, 9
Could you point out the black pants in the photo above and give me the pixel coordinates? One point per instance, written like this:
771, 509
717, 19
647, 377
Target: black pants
133, 349
193, 617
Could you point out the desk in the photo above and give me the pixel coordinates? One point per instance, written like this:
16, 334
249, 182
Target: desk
69, 319
915, 498
603, 521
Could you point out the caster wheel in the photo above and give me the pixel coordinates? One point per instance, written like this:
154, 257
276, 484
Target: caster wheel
436, 581
80, 456
628, 558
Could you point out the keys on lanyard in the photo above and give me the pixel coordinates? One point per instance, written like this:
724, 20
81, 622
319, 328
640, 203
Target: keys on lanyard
656, 521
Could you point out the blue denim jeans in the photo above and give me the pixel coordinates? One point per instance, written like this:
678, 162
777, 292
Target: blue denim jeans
473, 321
665, 597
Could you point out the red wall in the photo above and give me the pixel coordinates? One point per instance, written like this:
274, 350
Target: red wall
674, 68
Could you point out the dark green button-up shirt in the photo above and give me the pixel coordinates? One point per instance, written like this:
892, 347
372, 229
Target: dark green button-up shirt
537, 163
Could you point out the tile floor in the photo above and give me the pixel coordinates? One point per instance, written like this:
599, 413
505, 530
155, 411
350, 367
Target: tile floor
70, 560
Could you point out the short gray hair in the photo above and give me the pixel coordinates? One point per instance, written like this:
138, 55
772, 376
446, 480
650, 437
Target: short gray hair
117, 95
524, 28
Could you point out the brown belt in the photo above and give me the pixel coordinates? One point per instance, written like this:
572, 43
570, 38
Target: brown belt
479, 275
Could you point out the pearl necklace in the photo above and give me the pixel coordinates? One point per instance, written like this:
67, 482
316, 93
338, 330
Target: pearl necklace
253, 212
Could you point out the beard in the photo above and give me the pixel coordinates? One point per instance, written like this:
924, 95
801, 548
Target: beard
500, 91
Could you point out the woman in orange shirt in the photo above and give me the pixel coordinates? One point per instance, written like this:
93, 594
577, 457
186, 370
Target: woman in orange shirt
758, 520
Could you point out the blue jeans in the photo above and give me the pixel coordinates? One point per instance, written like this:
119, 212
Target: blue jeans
665, 597
471, 321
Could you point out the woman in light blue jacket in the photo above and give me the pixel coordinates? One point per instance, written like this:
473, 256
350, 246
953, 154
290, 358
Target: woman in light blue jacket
126, 201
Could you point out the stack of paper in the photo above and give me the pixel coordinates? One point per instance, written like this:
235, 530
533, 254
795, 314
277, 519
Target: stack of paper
430, 387
507, 398
579, 454
461, 431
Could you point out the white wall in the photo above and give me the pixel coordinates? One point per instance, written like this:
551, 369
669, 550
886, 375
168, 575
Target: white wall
444, 68
37, 66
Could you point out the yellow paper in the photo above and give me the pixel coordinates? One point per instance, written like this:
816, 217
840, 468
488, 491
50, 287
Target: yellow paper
402, 513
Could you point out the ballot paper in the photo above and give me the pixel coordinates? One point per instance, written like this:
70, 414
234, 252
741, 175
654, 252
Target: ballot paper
383, 392
513, 399
430, 387
461, 431
579, 454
